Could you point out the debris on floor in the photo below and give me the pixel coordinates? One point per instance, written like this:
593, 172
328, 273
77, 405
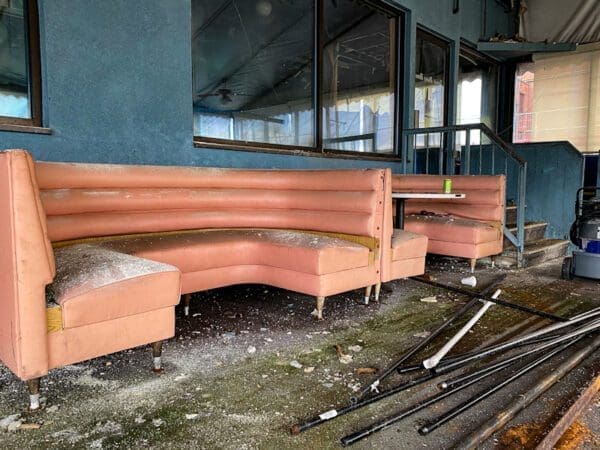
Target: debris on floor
231, 398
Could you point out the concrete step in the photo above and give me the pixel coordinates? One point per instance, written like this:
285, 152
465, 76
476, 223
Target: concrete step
534, 231
511, 215
535, 253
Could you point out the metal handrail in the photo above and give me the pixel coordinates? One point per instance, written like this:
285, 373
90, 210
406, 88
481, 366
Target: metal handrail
450, 132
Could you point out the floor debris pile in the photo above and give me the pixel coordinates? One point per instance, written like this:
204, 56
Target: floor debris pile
504, 362
216, 394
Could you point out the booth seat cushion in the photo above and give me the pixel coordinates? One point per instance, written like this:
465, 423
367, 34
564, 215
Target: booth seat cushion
95, 284
208, 249
452, 229
407, 245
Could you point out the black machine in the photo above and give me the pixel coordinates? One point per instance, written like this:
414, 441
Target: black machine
585, 234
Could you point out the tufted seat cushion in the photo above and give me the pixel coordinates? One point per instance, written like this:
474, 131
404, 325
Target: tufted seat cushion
95, 284
452, 229
208, 249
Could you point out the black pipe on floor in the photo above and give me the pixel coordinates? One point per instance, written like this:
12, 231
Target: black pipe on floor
462, 356
464, 406
372, 386
367, 431
488, 298
522, 401
512, 344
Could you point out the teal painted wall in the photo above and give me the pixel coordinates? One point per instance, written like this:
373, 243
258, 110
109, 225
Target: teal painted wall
554, 173
116, 78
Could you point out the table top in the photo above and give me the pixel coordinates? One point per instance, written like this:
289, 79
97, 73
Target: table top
427, 195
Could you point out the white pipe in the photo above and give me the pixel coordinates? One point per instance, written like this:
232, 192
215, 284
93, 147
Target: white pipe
433, 361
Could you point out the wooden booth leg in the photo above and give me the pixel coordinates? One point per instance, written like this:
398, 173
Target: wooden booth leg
318, 312
157, 357
377, 291
33, 386
473, 262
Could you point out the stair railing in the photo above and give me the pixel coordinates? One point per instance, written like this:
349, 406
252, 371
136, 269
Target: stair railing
468, 149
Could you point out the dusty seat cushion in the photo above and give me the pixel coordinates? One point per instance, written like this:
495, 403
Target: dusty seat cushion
451, 229
95, 284
292, 250
407, 245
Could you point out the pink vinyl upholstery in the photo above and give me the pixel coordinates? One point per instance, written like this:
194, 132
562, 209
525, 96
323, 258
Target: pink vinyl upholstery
26, 267
405, 255
264, 226
408, 255
283, 253
128, 240
89, 276
469, 227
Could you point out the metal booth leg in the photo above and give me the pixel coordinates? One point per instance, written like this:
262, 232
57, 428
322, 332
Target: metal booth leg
157, 357
33, 386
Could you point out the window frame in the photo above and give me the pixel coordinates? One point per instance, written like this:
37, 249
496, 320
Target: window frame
465, 48
435, 39
35, 78
318, 149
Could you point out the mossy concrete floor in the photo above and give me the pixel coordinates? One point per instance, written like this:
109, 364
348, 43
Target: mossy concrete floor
228, 382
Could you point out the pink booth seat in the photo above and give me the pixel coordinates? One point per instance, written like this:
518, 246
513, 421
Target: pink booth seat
405, 255
408, 255
93, 310
129, 240
315, 232
470, 227
293, 260
95, 285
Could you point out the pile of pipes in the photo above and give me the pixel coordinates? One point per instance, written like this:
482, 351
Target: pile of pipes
506, 362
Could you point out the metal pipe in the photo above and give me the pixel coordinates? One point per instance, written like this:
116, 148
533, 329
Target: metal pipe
333, 413
512, 359
403, 413
511, 344
372, 387
433, 361
585, 314
463, 378
521, 308
425, 429
461, 356
503, 417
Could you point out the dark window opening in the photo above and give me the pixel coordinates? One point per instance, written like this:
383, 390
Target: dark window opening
315, 75
20, 98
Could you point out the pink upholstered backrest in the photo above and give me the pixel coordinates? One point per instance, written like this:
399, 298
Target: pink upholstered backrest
26, 267
485, 195
89, 200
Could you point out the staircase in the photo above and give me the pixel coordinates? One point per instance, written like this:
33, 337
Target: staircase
470, 149
537, 249
475, 149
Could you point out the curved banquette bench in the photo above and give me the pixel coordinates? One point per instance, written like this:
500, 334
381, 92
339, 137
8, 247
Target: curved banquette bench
471, 227
98, 254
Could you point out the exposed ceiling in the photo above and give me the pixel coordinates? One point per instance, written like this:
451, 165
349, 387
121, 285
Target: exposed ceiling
574, 21
255, 53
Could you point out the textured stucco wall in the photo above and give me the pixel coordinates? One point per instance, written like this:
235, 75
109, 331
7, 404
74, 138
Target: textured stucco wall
117, 81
